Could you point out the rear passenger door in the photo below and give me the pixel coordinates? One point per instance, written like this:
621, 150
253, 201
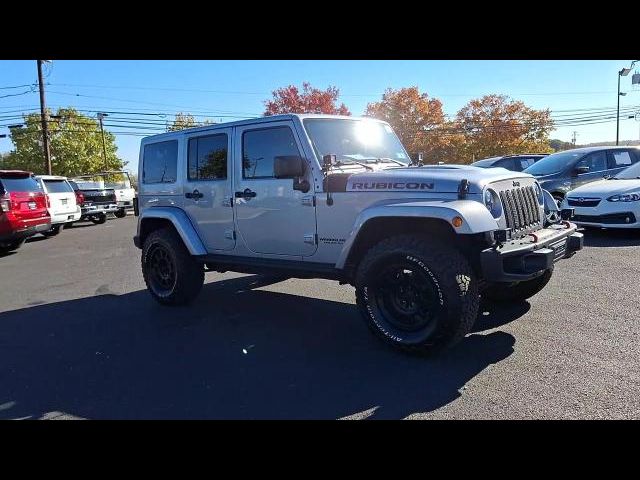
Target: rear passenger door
207, 189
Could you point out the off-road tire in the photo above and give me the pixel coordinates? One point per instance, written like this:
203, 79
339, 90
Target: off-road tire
187, 276
120, 213
10, 247
55, 230
444, 280
504, 292
99, 219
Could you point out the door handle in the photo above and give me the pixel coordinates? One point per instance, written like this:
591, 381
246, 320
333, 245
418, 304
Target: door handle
196, 195
247, 193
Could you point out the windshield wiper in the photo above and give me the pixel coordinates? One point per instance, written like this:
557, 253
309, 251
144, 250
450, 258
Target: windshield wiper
340, 163
387, 159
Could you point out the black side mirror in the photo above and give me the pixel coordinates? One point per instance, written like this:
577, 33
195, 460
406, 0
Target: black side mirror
582, 169
288, 166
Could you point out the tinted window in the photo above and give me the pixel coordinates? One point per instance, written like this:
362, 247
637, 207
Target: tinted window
208, 157
260, 147
525, 162
20, 184
505, 163
596, 161
57, 186
489, 162
160, 162
621, 158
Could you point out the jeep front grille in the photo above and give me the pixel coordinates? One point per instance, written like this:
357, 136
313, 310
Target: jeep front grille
521, 209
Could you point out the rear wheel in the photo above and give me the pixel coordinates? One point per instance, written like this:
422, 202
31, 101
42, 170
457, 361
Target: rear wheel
55, 230
121, 213
99, 219
417, 295
11, 246
172, 276
505, 292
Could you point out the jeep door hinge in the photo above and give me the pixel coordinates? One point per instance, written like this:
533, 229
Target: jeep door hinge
309, 201
230, 234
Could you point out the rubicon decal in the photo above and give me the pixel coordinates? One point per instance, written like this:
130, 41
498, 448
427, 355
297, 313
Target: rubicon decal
392, 186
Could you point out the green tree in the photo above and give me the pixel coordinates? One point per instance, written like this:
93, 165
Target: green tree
75, 145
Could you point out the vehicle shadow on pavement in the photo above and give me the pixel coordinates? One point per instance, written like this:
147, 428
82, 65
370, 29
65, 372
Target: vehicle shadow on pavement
611, 238
236, 353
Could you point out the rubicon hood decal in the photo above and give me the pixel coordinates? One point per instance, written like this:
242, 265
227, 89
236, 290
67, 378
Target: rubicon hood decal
429, 179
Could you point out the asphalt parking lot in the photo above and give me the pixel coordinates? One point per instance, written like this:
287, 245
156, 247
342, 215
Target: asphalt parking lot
81, 338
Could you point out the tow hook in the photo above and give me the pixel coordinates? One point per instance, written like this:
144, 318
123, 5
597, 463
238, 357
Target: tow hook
535, 237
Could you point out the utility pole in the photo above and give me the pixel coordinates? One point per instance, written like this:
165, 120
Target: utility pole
104, 148
573, 140
43, 114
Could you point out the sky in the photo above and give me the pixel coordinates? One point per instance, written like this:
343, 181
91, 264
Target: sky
228, 90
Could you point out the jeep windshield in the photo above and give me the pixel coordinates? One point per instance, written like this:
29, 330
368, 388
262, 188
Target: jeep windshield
355, 141
554, 163
116, 180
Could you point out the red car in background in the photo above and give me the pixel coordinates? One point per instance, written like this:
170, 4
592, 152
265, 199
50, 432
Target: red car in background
23, 209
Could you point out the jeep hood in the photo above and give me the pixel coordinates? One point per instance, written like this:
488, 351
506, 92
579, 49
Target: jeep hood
431, 178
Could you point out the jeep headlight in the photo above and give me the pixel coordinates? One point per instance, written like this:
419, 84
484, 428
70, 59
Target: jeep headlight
492, 202
624, 197
539, 193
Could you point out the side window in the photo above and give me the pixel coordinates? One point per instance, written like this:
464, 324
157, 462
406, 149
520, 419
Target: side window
525, 162
207, 158
260, 147
506, 163
620, 159
160, 162
597, 161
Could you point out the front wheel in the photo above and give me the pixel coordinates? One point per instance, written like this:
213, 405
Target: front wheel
415, 294
120, 213
172, 276
504, 292
99, 219
55, 230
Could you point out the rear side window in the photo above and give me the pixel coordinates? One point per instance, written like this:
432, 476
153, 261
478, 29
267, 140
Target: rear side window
57, 186
208, 157
20, 184
260, 147
621, 159
160, 162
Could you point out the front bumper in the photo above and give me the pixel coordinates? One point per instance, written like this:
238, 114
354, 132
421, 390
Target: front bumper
527, 258
97, 209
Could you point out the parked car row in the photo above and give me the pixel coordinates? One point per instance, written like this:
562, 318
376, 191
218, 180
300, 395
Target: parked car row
601, 184
32, 204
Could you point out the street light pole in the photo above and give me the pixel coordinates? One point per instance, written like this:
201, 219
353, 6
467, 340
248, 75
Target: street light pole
104, 148
43, 115
622, 73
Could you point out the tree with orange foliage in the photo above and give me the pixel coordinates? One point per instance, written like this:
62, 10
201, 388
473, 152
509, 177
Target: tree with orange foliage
495, 125
419, 123
311, 100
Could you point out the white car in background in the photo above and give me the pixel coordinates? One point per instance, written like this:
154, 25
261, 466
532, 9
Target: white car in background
61, 202
120, 182
610, 203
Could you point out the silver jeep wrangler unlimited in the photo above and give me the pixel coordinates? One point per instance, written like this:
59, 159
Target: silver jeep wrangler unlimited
321, 196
